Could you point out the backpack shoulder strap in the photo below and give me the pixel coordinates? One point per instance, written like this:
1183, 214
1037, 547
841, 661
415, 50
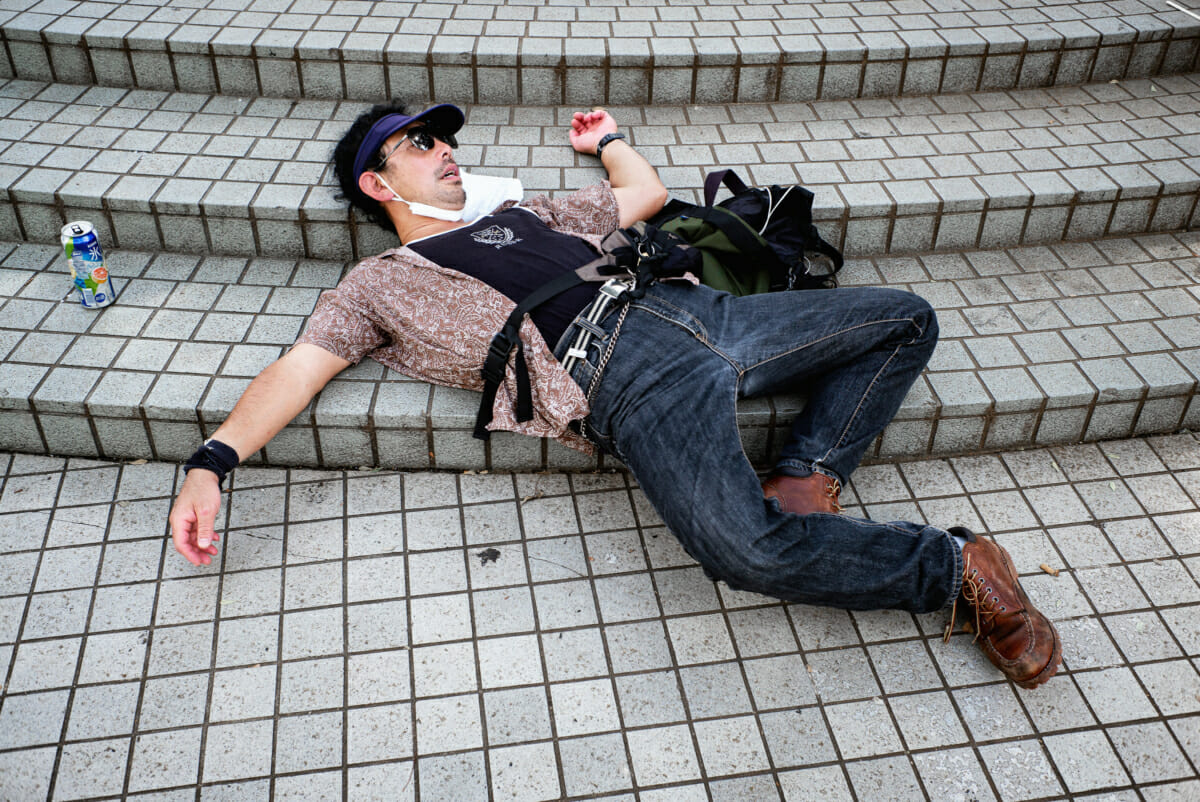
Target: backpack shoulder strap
509, 337
717, 177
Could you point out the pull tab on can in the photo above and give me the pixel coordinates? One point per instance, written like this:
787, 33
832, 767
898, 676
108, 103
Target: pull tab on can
86, 257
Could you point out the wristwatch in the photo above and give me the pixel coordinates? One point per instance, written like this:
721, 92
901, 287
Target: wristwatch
604, 140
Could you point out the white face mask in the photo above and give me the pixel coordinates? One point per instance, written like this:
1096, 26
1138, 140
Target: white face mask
484, 193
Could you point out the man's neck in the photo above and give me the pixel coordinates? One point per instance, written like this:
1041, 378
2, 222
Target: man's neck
412, 227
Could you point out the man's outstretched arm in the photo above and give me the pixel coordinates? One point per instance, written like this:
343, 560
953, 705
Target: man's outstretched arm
276, 395
635, 183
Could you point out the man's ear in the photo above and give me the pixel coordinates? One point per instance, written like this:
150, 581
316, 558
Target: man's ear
372, 187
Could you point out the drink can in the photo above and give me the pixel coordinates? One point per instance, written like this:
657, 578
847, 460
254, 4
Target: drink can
86, 258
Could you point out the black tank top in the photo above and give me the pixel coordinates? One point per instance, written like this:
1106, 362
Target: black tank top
514, 252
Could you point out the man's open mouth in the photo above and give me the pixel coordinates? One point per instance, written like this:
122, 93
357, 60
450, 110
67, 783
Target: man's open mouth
450, 173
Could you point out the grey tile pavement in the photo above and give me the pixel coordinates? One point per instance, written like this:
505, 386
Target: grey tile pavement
434, 636
702, 51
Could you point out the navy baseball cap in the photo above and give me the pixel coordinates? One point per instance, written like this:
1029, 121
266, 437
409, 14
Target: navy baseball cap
445, 117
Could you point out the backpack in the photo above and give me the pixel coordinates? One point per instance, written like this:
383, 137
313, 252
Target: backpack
757, 240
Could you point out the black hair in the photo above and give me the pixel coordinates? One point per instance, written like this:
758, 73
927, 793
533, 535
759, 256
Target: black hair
344, 154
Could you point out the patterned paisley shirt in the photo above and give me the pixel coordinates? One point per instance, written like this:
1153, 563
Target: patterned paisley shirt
435, 324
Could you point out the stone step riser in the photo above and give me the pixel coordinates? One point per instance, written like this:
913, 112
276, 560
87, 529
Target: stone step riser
141, 435
374, 67
937, 224
193, 174
1039, 346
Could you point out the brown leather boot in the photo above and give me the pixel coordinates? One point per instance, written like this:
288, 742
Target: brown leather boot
1018, 639
804, 494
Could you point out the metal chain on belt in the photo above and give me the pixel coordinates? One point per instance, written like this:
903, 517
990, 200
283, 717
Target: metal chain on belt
612, 343
594, 384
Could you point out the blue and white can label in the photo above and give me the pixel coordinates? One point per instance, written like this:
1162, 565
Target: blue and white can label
86, 257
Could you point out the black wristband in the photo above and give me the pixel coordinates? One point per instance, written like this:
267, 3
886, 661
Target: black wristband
213, 456
604, 140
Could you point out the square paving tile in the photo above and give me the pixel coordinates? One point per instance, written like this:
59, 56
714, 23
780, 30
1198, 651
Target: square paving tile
356, 662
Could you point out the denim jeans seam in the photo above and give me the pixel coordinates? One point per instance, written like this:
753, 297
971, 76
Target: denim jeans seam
701, 335
812, 466
830, 336
820, 460
700, 331
861, 400
956, 579
817, 467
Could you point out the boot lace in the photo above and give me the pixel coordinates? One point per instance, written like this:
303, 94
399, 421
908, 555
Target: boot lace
979, 597
833, 489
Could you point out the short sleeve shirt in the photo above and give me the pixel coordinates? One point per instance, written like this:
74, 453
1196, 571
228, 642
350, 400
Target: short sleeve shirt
435, 323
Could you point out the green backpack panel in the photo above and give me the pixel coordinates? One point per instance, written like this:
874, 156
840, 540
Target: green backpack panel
757, 240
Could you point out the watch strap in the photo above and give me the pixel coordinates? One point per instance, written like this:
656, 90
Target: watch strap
213, 456
604, 140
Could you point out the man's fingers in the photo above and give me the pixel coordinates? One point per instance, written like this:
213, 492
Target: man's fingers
182, 525
192, 520
181, 536
583, 120
185, 545
204, 527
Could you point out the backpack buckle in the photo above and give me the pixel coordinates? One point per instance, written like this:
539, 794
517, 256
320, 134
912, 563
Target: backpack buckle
497, 359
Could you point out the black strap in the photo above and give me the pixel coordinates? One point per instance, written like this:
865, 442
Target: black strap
501, 347
717, 177
509, 337
821, 246
812, 237
213, 456
640, 250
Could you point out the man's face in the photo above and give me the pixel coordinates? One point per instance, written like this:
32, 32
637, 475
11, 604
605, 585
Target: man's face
422, 176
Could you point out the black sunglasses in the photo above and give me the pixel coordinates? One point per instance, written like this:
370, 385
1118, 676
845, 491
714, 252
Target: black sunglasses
422, 138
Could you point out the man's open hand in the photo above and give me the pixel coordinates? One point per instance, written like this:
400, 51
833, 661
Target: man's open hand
193, 515
588, 128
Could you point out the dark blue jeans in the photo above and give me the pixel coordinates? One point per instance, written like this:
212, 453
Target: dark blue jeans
665, 403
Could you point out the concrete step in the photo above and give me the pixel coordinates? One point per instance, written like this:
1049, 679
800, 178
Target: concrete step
703, 52
189, 173
1040, 345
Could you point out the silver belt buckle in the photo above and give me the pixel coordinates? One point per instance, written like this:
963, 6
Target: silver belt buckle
614, 288
610, 291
